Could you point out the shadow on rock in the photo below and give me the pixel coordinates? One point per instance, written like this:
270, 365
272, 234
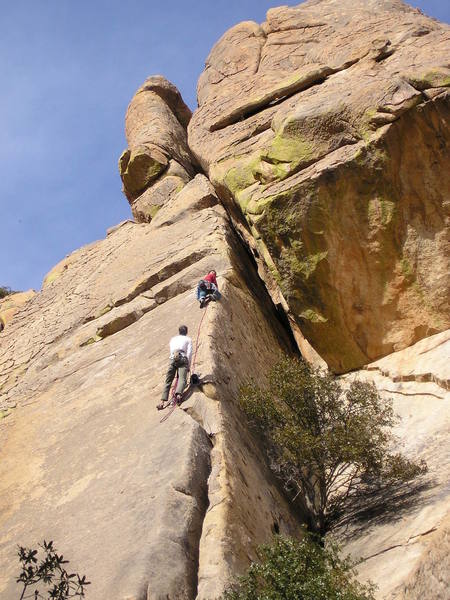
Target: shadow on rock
382, 504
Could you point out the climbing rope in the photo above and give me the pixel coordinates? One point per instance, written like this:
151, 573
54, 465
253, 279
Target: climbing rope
198, 335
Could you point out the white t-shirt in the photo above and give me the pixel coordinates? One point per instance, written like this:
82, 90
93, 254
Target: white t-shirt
183, 343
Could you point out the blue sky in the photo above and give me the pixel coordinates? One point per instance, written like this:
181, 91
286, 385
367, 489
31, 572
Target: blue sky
69, 69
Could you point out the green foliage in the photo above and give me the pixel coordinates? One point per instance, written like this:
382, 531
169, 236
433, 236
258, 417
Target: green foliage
49, 571
330, 444
5, 291
299, 570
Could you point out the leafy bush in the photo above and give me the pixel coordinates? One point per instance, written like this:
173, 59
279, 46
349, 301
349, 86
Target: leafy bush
299, 570
5, 291
329, 444
49, 571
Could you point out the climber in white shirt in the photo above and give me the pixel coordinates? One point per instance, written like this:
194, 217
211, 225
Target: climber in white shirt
180, 362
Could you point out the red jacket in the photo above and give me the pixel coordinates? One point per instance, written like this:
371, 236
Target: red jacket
211, 278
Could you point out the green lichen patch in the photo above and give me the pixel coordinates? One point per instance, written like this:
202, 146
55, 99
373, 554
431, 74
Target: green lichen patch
124, 160
307, 265
256, 206
407, 269
438, 77
367, 124
381, 212
240, 177
268, 172
139, 167
254, 231
153, 210
56, 272
243, 174
104, 310
313, 316
90, 341
289, 150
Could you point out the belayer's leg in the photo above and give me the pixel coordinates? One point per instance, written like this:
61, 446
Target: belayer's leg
201, 295
214, 292
182, 377
169, 378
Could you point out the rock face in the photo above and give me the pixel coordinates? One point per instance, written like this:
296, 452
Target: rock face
324, 133
405, 548
10, 304
327, 129
146, 509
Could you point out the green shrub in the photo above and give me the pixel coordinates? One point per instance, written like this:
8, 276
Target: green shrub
5, 291
299, 570
329, 444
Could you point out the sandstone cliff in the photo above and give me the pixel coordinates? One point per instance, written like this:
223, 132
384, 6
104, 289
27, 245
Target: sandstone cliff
328, 127
314, 178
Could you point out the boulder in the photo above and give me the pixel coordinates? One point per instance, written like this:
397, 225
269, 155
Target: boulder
325, 131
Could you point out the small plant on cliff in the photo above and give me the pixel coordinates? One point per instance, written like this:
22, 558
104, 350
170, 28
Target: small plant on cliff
48, 570
5, 291
299, 570
330, 444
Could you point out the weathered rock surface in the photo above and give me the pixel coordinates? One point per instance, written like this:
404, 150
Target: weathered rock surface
327, 128
430, 579
157, 163
405, 547
10, 304
146, 509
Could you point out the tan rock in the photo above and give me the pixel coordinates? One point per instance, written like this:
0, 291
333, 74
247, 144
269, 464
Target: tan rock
167, 186
11, 304
327, 129
157, 163
430, 580
403, 550
140, 167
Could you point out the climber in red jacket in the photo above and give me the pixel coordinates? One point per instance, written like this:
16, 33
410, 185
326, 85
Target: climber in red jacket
207, 288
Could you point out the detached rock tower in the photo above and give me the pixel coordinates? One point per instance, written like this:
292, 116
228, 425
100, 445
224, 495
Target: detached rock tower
317, 170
